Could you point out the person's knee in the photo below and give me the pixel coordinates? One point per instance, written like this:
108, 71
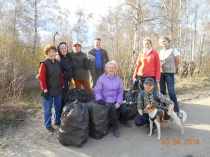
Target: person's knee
125, 110
139, 121
112, 108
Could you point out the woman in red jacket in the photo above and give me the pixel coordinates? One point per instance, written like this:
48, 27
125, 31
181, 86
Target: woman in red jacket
148, 64
52, 84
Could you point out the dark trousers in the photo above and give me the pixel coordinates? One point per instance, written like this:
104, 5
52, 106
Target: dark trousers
168, 79
124, 111
67, 84
95, 77
142, 79
139, 121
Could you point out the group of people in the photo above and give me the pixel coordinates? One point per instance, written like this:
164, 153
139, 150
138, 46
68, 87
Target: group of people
151, 68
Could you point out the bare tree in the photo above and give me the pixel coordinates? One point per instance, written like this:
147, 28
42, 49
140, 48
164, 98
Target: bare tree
80, 27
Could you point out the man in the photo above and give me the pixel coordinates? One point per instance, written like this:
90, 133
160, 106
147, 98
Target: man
98, 63
152, 96
81, 65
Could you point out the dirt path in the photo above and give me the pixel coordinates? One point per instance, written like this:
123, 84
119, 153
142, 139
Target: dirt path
32, 139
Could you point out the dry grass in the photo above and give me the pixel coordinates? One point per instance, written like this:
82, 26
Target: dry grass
191, 83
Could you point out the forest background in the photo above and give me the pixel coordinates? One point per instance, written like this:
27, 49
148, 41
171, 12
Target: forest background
121, 30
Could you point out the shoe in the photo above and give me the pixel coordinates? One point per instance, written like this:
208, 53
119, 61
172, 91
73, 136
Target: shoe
127, 125
147, 125
153, 130
57, 124
50, 129
179, 115
116, 133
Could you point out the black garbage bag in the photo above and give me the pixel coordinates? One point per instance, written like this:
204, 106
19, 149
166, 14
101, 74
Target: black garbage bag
99, 119
130, 99
74, 129
133, 111
76, 94
131, 96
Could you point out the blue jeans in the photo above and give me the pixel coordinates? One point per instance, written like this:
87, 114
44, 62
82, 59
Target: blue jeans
168, 79
139, 121
47, 104
124, 111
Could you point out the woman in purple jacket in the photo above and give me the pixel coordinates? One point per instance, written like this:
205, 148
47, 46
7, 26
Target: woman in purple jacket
109, 90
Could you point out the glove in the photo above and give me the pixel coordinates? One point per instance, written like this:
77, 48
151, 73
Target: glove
144, 118
47, 95
166, 116
91, 57
101, 102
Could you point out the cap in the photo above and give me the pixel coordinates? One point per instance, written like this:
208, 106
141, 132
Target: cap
76, 43
150, 80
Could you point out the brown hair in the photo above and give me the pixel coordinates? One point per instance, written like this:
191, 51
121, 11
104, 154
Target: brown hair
148, 39
166, 38
98, 39
49, 47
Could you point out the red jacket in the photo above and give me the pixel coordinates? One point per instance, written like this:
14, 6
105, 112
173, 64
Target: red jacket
42, 77
148, 65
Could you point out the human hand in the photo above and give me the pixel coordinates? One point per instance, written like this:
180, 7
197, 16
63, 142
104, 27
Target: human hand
37, 76
47, 95
117, 105
58, 58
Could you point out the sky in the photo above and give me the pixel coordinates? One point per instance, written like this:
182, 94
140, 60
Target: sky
97, 7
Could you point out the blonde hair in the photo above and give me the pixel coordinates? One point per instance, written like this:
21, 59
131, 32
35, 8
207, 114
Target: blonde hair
111, 63
166, 38
147, 39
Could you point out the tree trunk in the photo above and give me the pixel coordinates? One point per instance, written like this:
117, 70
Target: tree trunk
35, 28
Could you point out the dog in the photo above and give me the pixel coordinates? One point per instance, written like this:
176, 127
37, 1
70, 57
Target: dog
157, 114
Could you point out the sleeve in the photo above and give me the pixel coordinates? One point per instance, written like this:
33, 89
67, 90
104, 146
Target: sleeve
164, 99
42, 76
86, 62
62, 80
138, 64
158, 67
98, 89
176, 52
120, 93
106, 56
140, 103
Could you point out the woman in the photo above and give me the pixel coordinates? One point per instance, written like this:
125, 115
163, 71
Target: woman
81, 67
51, 82
170, 60
109, 90
148, 64
66, 65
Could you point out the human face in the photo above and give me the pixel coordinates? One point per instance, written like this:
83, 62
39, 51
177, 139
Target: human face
147, 45
111, 70
164, 43
77, 48
148, 87
97, 44
63, 49
51, 54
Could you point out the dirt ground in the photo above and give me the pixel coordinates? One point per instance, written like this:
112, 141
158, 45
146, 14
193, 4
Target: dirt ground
30, 138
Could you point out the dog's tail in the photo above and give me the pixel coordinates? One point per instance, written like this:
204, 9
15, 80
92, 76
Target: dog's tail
184, 115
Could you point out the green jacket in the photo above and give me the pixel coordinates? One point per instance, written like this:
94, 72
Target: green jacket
105, 59
81, 65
